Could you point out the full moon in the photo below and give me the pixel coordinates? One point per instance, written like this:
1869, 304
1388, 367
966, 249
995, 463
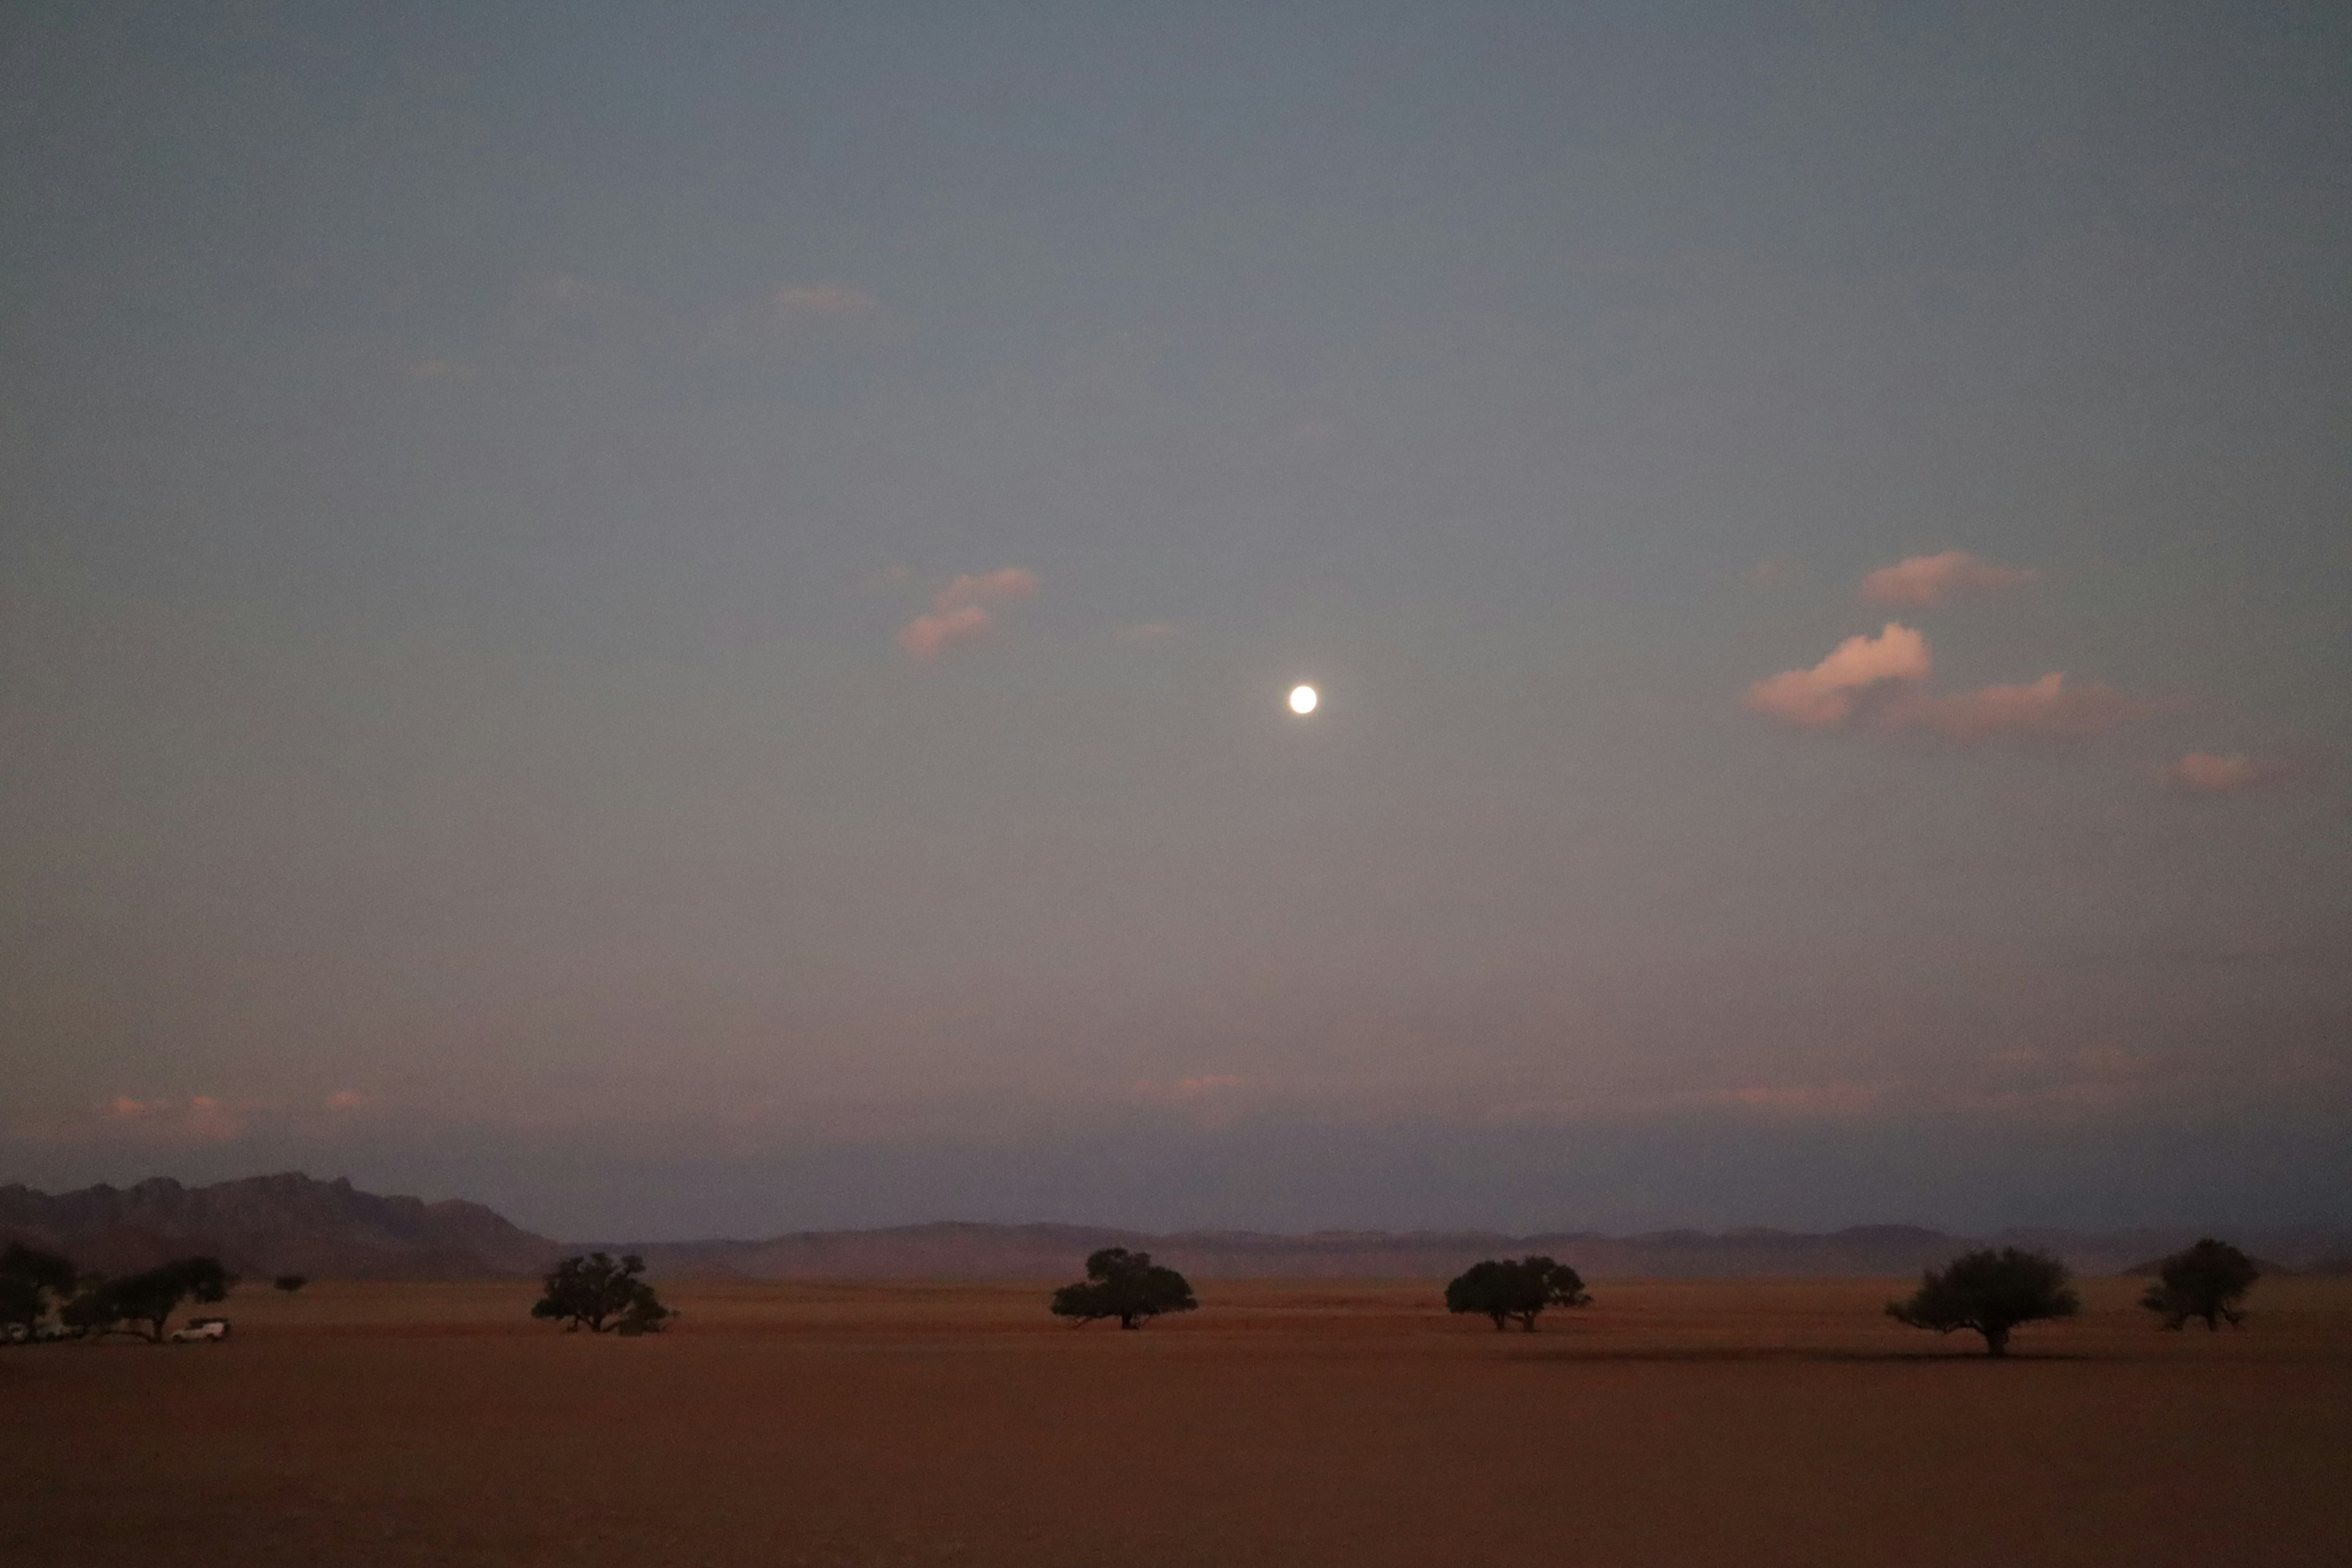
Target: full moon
1303, 700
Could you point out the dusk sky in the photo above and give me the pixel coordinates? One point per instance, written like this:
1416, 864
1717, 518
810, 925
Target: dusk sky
677, 618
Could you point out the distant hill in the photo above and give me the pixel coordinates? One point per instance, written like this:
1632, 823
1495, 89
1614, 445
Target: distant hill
271, 1224
1043, 1251
268, 1224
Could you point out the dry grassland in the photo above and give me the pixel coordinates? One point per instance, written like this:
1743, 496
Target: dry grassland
1704, 1422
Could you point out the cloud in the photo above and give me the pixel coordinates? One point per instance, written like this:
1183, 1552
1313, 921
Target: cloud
2208, 772
2048, 709
1146, 631
199, 1118
1810, 1098
1827, 696
442, 370
1872, 682
346, 1100
965, 609
827, 301
1925, 580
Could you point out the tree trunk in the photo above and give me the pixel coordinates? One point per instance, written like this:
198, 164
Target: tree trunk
1996, 1342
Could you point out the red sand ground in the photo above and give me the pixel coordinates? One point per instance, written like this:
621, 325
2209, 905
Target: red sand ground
1697, 1423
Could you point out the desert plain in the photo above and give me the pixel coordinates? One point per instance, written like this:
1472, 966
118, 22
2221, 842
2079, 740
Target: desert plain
1295, 1424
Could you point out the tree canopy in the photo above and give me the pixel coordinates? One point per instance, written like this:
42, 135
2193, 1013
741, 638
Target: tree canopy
1991, 1293
604, 1295
143, 1303
2206, 1281
29, 1280
1124, 1285
1517, 1291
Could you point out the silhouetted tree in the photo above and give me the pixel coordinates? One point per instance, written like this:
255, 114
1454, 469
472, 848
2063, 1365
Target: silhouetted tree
1991, 1293
29, 1280
1515, 1291
2206, 1281
289, 1283
602, 1295
1124, 1285
143, 1303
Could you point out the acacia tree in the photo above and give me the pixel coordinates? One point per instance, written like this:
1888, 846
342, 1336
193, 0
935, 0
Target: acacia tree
29, 1280
289, 1283
2206, 1281
1124, 1285
143, 1303
1991, 1293
602, 1295
1515, 1291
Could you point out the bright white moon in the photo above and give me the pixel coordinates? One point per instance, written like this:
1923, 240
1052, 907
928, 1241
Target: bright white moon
1303, 700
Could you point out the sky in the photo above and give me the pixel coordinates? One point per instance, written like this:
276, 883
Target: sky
677, 618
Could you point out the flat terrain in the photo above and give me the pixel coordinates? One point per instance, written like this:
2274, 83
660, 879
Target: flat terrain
1695, 1422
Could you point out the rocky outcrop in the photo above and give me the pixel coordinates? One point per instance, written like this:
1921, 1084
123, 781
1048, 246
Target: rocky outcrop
270, 1224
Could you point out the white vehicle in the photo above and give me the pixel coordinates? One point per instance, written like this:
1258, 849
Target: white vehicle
201, 1329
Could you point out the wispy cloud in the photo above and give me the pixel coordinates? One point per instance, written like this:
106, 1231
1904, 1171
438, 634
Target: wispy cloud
2224, 773
965, 610
1874, 682
832, 302
2048, 708
1925, 580
1828, 694
197, 1118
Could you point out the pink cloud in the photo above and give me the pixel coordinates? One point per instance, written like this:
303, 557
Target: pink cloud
965, 609
828, 300
1925, 580
200, 1118
1872, 682
1811, 1099
1827, 696
2208, 772
2049, 709
346, 1100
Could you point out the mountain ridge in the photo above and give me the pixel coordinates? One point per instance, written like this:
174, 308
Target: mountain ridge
290, 1222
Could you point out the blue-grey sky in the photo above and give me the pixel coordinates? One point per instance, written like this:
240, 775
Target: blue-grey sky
677, 618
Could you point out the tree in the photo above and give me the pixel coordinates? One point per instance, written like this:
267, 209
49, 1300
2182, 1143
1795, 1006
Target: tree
1519, 1290
29, 1280
2206, 1281
289, 1283
145, 1303
1124, 1285
602, 1295
1991, 1293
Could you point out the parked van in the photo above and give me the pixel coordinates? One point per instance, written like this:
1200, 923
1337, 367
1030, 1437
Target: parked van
201, 1329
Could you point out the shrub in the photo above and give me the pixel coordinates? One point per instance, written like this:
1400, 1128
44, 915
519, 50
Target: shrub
1991, 1293
1519, 1290
2206, 1281
1124, 1285
602, 1295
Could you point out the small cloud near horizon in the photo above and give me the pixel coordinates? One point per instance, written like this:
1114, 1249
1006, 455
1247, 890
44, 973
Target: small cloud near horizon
965, 610
2226, 773
1922, 580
